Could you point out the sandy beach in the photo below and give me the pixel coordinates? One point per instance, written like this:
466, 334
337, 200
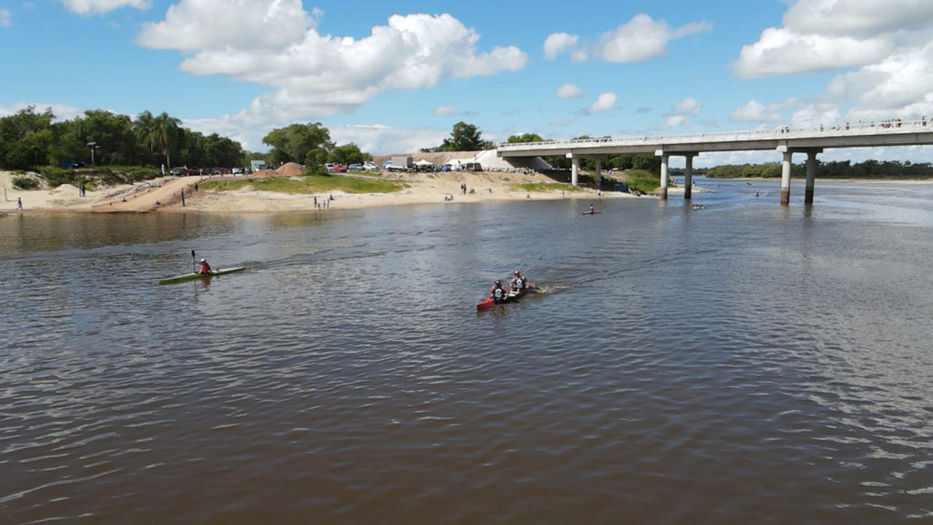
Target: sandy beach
164, 195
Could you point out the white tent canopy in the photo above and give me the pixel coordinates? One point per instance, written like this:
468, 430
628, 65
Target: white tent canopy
424, 162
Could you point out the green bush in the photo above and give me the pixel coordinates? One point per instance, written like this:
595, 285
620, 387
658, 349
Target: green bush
25, 183
642, 180
102, 175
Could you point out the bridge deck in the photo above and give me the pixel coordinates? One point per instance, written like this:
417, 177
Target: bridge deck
890, 133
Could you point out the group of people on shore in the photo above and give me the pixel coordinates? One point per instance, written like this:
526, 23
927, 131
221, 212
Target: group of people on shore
517, 284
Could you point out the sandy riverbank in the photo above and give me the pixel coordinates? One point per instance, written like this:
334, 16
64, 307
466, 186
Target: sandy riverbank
163, 195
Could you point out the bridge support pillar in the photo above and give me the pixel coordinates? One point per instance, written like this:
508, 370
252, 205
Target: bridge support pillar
598, 174
664, 160
785, 178
688, 177
575, 171
811, 176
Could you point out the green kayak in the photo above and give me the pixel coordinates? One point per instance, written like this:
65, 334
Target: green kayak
193, 276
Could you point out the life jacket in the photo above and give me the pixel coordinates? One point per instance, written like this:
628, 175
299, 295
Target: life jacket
520, 283
498, 292
205, 268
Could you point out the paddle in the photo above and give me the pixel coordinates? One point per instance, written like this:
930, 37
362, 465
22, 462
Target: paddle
194, 265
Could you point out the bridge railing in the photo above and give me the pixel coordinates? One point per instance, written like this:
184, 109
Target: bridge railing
784, 132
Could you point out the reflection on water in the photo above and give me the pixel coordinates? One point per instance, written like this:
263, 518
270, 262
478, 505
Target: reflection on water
683, 365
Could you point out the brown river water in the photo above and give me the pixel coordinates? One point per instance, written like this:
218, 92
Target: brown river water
740, 363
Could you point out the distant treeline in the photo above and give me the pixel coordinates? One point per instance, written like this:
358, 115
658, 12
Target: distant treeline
840, 169
29, 139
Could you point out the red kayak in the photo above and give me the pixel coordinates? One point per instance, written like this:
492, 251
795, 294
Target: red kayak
510, 297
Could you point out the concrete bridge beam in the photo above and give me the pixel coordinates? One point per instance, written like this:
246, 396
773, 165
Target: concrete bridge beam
575, 171
811, 175
598, 172
785, 178
688, 176
664, 160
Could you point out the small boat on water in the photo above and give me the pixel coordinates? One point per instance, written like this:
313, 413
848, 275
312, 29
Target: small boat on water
511, 297
193, 276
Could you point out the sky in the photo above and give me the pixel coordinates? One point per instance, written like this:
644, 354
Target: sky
395, 77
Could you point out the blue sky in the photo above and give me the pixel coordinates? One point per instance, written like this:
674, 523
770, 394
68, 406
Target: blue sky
396, 76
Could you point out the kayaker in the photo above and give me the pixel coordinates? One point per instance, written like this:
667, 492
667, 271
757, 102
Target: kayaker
591, 210
497, 292
519, 282
205, 268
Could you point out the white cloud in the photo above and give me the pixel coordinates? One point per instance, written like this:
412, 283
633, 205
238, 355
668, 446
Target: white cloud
557, 43
679, 117
890, 45
856, 18
642, 38
84, 7
901, 85
754, 111
780, 51
604, 102
821, 35
381, 140
444, 111
815, 114
5, 20
569, 91
204, 25
316, 75
688, 105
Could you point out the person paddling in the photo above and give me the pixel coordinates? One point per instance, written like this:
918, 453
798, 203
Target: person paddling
519, 282
497, 293
205, 268
592, 210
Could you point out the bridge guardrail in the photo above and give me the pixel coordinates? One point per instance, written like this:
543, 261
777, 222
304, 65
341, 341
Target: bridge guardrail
894, 126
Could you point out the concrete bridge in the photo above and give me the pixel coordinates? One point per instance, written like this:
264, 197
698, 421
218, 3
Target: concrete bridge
784, 140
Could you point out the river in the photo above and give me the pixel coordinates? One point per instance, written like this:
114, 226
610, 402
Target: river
743, 362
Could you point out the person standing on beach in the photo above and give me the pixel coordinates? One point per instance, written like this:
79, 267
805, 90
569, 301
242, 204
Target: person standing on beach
19, 203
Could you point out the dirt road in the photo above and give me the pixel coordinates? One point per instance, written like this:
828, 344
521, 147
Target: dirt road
168, 193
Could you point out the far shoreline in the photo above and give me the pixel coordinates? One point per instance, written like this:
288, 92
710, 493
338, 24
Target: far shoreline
423, 188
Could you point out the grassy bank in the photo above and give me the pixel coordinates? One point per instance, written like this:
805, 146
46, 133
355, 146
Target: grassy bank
642, 180
307, 184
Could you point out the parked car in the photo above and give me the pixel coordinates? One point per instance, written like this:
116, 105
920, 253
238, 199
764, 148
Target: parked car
329, 166
339, 168
355, 167
73, 164
179, 171
237, 171
194, 171
369, 166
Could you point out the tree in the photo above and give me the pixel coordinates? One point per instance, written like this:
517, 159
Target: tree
348, 154
304, 143
112, 134
167, 134
25, 138
464, 137
145, 132
158, 133
527, 137
221, 151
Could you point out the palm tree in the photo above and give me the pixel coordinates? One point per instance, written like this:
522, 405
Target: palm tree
157, 133
144, 129
167, 134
